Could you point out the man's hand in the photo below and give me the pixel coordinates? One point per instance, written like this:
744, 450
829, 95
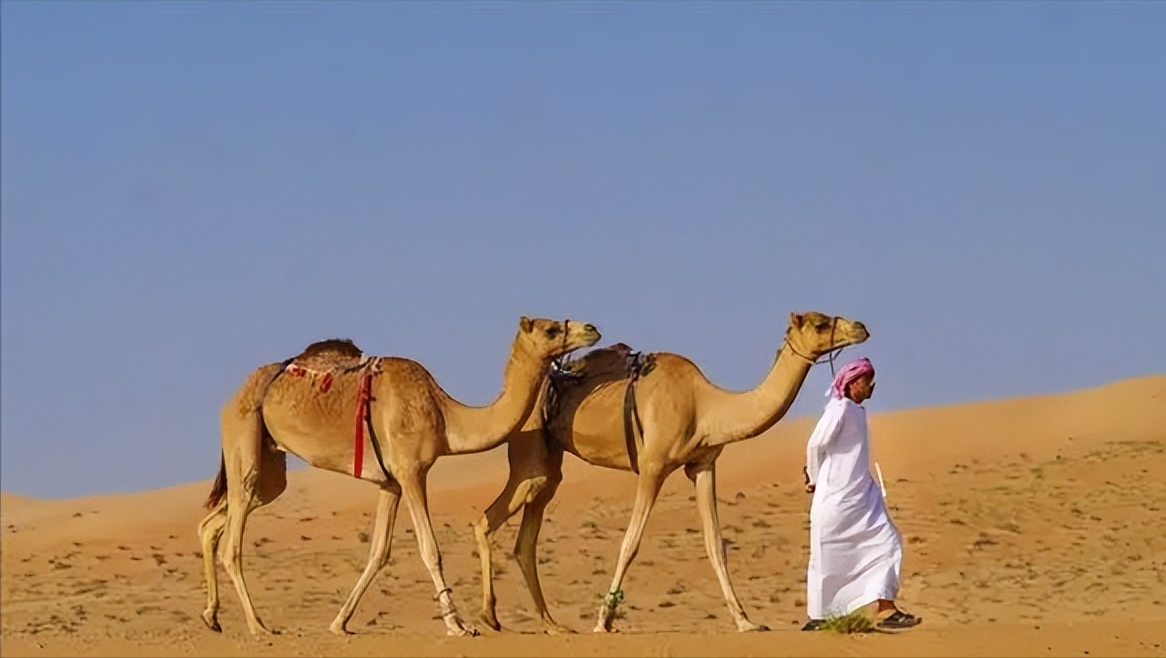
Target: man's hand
809, 487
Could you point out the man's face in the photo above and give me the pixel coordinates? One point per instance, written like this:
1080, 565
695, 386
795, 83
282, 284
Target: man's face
862, 388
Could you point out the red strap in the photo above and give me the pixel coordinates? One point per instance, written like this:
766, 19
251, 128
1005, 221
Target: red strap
361, 404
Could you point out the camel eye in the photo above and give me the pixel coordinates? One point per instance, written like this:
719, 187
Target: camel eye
553, 331
822, 326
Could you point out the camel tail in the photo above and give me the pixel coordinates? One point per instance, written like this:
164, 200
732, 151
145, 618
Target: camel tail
219, 488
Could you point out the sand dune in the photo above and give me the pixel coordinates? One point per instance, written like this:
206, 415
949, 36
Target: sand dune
1034, 526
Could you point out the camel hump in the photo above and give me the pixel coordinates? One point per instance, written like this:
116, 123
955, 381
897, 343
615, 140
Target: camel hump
334, 353
339, 346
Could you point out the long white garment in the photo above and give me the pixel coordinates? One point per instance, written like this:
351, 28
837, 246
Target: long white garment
855, 549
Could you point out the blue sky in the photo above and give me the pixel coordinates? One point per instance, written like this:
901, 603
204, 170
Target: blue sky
190, 190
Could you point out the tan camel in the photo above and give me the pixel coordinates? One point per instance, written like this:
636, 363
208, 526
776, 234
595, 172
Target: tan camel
322, 418
672, 418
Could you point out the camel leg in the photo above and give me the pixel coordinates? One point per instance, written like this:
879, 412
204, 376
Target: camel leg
527, 542
210, 530
256, 475
704, 477
378, 553
239, 506
413, 486
513, 497
651, 478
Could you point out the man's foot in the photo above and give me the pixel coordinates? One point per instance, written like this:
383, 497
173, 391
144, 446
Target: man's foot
899, 619
814, 625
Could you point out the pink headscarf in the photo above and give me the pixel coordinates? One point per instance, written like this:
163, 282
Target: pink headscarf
847, 374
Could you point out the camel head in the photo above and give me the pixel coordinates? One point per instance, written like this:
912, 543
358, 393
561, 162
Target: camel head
550, 339
812, 334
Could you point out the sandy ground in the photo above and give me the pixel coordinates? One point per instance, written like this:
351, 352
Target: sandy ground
1033, 527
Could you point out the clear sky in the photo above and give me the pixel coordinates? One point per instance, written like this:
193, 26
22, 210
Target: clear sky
190, 190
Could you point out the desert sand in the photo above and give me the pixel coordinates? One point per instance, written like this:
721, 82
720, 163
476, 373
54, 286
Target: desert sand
1033, 526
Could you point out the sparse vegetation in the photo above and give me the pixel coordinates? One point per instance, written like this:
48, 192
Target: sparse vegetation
855, 622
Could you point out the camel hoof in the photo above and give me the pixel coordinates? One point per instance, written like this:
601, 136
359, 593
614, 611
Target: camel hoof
463, 631
490, 620
558, 629
603, 623
339, 629
750, 627
263, 631
211, 623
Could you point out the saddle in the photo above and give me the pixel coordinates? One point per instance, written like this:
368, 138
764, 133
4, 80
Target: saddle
564, 374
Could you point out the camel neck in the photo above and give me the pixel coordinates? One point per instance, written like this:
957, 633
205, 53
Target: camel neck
477, 429
731, 416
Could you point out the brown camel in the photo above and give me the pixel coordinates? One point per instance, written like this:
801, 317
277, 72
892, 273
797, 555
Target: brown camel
320, 405
651, 414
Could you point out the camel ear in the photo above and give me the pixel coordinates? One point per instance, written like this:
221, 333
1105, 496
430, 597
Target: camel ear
796, 319
526, 324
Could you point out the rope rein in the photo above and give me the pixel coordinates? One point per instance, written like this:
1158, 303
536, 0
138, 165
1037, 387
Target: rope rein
830, 354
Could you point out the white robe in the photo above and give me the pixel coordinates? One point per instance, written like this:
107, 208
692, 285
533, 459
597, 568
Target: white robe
855, 549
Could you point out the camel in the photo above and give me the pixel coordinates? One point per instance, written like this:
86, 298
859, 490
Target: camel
651, 414
314, 404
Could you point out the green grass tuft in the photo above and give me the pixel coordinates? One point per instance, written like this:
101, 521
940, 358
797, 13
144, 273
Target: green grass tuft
855, 622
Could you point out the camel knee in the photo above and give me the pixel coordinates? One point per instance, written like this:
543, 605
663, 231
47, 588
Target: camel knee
210, 545
631, 553
482, 530
231, 557
231, 566
211, 528
513, 498
382, 561
531, 488
232, 561
549, 488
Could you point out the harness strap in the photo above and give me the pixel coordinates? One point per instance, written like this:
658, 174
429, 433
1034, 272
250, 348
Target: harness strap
364, 400
376, 444
633, 428
362, 395
556, 378
548, 409
282, 369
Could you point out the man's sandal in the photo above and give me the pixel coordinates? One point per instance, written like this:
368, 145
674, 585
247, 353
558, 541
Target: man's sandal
900, 619
814, 625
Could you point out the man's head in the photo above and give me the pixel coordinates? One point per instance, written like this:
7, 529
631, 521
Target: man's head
861, 389
854, 381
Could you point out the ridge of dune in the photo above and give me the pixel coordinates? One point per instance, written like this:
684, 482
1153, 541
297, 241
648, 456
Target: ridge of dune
925, 438
908, 438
